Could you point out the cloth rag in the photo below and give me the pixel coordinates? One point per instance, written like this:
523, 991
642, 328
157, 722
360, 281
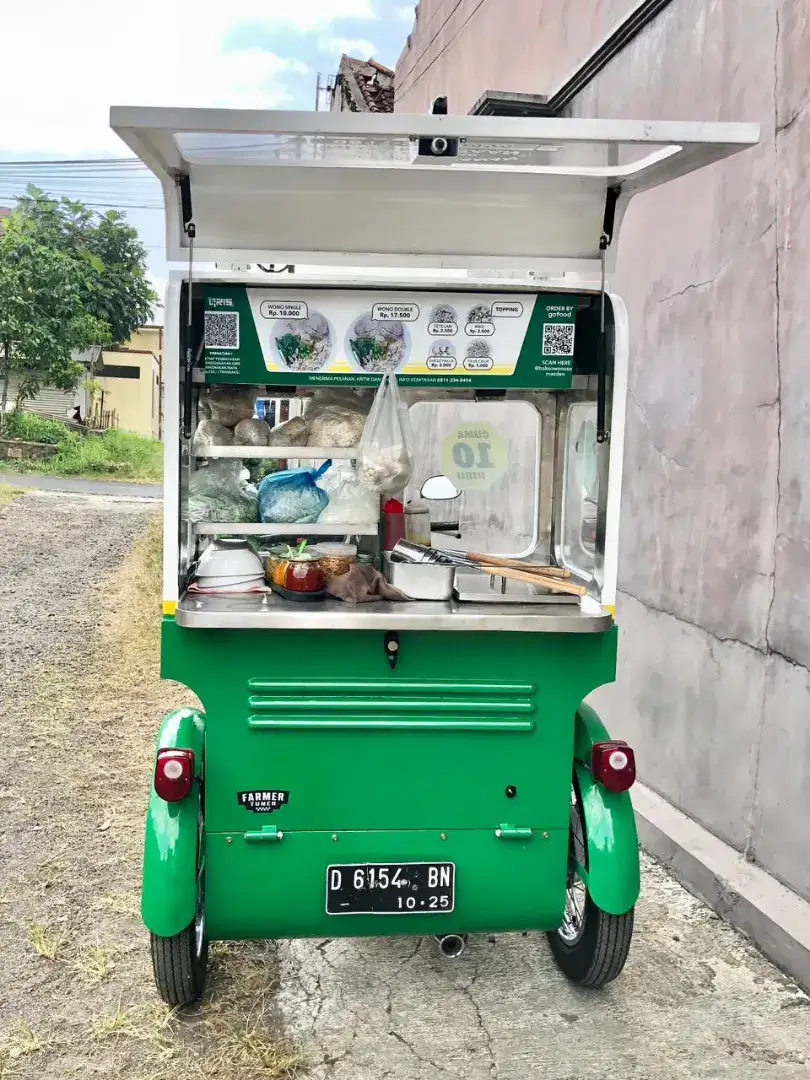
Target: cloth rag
362, 584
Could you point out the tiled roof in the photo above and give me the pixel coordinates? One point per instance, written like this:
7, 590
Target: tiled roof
366, 85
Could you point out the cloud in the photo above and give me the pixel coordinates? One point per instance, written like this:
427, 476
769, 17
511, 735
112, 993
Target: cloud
62, 70
351, 46
306, 14
406, 13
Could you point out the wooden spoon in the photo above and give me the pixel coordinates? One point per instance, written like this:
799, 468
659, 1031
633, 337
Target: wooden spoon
557, 584
520, 564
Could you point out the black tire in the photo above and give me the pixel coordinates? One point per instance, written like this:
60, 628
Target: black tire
180, 965
591, 947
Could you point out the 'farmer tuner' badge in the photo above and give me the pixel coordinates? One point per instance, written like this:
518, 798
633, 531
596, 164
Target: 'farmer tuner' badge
262, 802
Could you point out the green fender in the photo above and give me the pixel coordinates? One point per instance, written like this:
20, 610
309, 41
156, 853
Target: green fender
169, 897
612, 877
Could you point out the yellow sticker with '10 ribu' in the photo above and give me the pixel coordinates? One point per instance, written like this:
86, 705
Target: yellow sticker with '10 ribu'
474, 456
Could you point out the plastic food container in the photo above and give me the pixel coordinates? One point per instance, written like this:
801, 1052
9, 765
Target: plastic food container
336, 559
420, 581
417, 523
274, 555
299, 573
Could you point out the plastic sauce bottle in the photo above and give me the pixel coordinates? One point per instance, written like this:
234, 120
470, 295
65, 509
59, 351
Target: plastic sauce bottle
393, 523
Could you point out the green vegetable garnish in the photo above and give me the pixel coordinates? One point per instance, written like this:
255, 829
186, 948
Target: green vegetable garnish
368, 350
293, 348
296, 553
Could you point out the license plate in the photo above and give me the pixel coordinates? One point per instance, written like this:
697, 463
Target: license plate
419, 888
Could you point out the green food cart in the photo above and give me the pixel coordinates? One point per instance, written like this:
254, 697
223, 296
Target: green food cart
421, 766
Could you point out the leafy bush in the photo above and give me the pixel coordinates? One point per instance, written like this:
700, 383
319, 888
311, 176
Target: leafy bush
113, 453
23, 425
120, 453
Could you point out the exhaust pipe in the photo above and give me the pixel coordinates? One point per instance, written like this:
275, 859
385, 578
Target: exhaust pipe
451, 946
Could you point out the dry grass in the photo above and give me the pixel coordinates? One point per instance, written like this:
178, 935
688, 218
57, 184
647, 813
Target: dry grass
81, 895
8, 494
17, 1044
94, 964
116, 1022
46, 942
122, 903
247, 1047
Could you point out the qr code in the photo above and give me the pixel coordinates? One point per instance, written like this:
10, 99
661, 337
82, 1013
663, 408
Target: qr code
558, 339
222, 329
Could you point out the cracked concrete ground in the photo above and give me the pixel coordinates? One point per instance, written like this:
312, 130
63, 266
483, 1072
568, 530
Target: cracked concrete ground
695, 1001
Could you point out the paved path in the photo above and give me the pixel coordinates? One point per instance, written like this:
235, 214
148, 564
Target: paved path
82, 487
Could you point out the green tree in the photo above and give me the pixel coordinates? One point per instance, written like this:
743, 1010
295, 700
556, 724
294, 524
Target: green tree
69, 279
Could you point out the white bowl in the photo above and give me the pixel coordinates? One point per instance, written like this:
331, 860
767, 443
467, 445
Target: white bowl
217, 582
240, 586
234, 559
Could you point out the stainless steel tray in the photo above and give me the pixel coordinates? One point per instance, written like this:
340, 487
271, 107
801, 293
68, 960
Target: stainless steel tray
420, 581
477, 588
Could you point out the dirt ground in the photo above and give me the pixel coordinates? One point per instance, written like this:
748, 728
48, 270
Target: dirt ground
80, 703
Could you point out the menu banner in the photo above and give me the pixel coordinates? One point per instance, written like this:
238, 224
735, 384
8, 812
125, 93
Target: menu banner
332, 337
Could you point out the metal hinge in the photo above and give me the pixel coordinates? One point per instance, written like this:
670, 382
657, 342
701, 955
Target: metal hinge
609, 219
183, 181
270, 833
514, 832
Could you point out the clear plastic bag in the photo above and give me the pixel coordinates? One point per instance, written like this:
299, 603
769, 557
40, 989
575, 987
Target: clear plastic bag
211, 433
230, 404
293, 496
385, 460
251, 433
351, 503
292, 432
336, 418
219, 493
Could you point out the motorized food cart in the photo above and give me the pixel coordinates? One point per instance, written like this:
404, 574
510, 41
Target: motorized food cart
427, 766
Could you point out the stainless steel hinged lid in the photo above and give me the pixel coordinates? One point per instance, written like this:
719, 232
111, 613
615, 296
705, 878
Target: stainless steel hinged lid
351, 189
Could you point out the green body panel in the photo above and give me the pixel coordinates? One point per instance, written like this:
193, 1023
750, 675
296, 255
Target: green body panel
170, 851
613, 875
388, 761
277, 890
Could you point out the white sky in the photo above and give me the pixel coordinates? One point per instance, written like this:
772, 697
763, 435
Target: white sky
64, 62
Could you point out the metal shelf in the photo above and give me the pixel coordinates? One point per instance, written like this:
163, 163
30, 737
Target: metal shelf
300, 453
268, 528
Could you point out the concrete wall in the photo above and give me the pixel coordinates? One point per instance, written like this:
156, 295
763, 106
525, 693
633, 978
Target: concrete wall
525, 46
714, 681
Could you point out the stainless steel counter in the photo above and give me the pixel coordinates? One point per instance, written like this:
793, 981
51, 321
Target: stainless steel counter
270, 612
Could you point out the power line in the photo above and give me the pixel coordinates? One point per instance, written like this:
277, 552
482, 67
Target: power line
100, 205
81, 162
444, 49
427, 47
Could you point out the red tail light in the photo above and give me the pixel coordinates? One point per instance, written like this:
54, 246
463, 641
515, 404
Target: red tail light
174, 774
613, 764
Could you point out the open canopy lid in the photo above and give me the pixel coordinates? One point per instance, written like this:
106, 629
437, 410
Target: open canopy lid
353, 189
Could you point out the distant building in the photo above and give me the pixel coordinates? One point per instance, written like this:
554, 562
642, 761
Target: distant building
130, 383
121, 387
363, 86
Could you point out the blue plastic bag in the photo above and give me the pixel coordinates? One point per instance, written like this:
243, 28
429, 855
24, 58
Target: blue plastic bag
292, 496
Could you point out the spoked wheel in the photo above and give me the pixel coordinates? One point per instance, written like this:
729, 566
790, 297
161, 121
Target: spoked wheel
180, 962
590, 946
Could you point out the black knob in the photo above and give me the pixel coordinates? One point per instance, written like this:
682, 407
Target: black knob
391, 646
